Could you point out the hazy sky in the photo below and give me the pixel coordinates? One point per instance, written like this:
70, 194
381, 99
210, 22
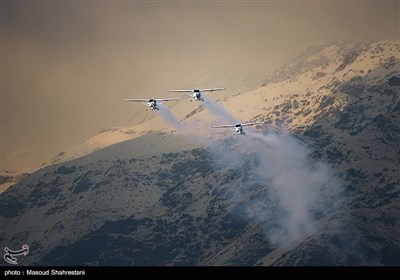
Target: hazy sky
66, 66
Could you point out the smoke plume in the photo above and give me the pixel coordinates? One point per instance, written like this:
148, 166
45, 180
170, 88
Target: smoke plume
169, 117
188, 130
218, 110
293, 191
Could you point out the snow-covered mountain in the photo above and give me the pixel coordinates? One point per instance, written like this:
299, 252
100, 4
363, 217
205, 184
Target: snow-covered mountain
319, 186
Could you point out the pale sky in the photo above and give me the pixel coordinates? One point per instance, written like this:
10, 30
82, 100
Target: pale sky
66, 66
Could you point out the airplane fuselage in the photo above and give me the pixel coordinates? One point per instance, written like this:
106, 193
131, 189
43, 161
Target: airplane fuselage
152, 104
239, 130
197, 95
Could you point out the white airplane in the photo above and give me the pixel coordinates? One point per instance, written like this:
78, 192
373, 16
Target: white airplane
151, 103
237, 127
196, 93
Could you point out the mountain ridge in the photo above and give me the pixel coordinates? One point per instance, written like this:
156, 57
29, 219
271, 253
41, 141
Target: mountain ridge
202, 205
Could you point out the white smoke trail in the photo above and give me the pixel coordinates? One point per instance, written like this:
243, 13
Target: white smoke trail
218, 110
300, 187
297, 187
188, 130
169, 117
271, 140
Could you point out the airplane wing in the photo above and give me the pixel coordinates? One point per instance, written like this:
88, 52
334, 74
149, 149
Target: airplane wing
193, 90
211, 89
181, 90
222, 126
167, 99
246, 124
136, 100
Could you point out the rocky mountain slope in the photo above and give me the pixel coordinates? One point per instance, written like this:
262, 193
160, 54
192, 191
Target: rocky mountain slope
320, 186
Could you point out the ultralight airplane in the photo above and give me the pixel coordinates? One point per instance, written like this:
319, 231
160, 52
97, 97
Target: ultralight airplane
238, 128
151, 103
196, 93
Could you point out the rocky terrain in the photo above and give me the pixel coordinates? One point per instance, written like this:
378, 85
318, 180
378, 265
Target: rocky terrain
319, 185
